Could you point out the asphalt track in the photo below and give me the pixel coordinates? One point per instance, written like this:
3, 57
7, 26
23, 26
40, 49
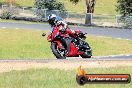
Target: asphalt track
107, 32
75, 59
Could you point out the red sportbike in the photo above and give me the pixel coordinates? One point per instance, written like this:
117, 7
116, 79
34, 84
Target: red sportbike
63, 45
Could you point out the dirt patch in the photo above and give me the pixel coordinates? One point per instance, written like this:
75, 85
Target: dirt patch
66, 65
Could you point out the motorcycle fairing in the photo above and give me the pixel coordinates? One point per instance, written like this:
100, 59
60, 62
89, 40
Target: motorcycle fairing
59, 44
71, 48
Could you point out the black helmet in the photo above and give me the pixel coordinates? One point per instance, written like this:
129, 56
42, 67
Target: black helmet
52, 19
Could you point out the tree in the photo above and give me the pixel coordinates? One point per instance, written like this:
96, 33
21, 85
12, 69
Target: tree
8, 12
49, 4
10, 2
124, 7
90, 4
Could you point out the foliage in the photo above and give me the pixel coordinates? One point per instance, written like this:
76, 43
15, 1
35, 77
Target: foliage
127, 20
8, 12
49, 4
124, 7
75, 1
6, 15
2, 2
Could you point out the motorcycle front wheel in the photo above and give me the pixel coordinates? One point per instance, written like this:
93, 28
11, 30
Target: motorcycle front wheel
59, 53
87, 52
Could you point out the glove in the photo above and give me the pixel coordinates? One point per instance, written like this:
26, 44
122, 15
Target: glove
43, 34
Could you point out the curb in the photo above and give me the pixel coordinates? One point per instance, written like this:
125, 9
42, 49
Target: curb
113, 56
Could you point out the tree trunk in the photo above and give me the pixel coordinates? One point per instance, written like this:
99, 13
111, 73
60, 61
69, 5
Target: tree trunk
10, 3
89, 11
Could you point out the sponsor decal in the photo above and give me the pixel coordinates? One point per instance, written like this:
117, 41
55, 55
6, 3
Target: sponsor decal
83, 78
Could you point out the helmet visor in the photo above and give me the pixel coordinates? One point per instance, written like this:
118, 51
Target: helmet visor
51, 21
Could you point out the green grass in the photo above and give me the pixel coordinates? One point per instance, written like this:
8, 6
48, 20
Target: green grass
102, 6
108, 46
20, 43
106, 7
55, 78
17, 43
25, 2
29, 44
2, 1
22, 2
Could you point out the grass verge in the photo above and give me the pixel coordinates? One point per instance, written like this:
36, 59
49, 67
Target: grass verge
55, 78
101, 7
29, 44
21, 21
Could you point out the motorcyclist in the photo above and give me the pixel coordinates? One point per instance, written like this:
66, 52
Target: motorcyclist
56, 20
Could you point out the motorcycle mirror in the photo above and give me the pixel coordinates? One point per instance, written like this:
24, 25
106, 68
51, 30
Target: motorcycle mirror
43, 34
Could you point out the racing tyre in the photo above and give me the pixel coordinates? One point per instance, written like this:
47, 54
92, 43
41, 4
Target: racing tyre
60, 54
87, 52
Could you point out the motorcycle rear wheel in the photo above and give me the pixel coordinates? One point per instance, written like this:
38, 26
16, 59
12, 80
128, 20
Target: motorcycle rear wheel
57, 52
